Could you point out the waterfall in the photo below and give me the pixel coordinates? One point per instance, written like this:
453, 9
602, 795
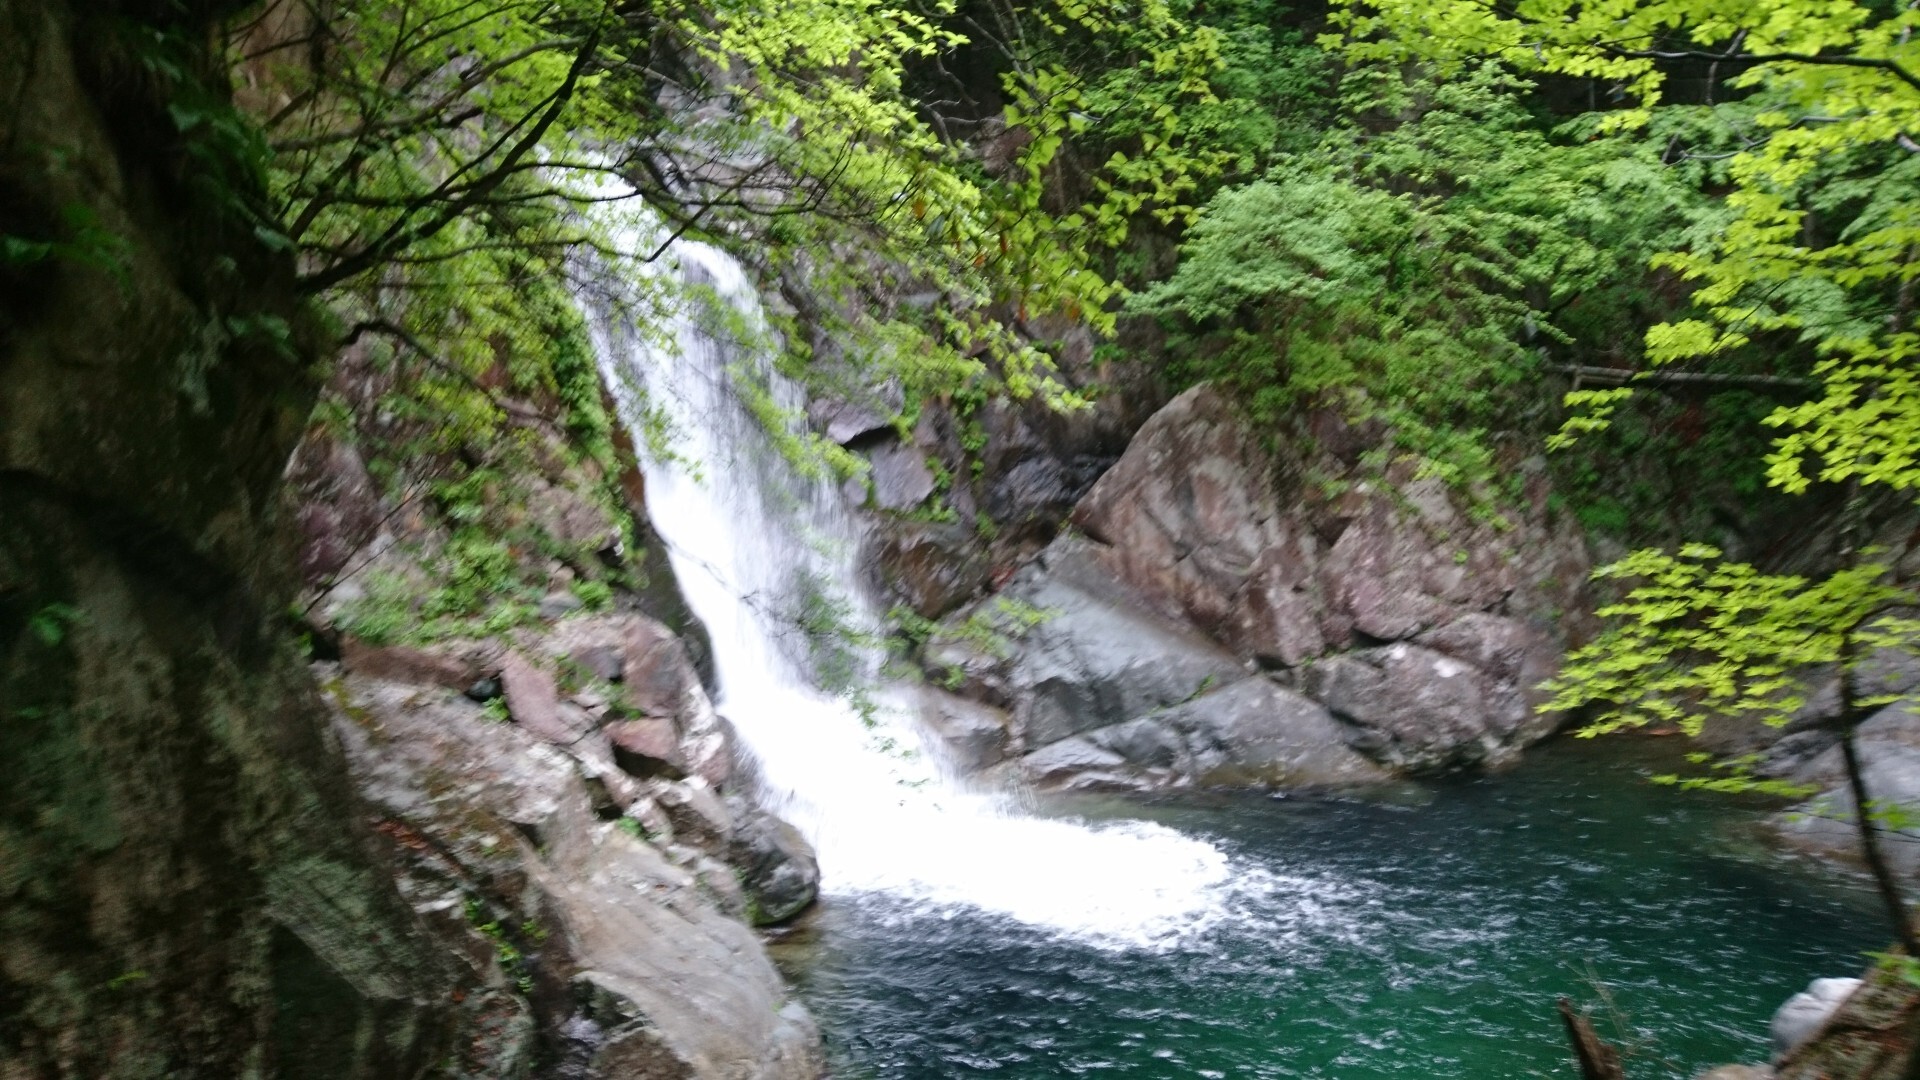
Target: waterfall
758, 548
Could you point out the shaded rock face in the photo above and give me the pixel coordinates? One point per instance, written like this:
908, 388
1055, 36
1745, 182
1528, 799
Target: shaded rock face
933, 567
1009, 471
181, 893
1414, 630
340, 510
1824, 825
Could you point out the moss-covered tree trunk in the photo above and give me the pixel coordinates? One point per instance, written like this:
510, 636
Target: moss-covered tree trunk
183, 888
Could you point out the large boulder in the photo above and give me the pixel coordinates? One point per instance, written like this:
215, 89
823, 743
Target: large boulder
1421, 621
1888, 744
626, 942
1420, 710
1101, 692
1252, 732
1092, 657
777, 866
899, 476
1805, 1013
1284, 556
1188, 519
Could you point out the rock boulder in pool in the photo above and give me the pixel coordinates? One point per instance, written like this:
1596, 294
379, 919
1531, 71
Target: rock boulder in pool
1421, 623
1252, 732
1807, 1011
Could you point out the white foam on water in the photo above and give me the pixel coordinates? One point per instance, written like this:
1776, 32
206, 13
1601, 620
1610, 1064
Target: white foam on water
750, 540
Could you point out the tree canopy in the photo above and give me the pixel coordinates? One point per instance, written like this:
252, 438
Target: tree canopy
1816, 250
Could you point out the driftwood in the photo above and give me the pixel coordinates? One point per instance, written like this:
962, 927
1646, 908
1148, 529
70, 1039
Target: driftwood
1598, 1061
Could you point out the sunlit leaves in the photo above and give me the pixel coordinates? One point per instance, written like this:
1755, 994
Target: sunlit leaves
1839, 79
435, 129
1698, 636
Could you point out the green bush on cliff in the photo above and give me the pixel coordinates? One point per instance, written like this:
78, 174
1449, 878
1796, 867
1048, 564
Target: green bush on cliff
1426, 261
1816, 254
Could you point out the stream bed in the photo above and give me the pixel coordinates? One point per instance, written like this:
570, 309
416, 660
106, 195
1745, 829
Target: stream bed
1424, 933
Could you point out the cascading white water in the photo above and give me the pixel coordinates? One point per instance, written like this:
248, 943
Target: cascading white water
755, 546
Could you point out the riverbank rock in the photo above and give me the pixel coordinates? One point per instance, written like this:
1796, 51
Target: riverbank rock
1099, 692
1415, 624
594, 908
1252, 732
1824, 825
1806, 1012
1421, 710
1870, 1035
777, 866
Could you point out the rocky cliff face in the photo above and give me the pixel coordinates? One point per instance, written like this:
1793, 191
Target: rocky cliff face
1226, 611
598, 874
537, 751
183, 888
977, 488
533, 857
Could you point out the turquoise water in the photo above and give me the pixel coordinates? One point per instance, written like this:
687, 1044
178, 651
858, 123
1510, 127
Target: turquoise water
1424, 934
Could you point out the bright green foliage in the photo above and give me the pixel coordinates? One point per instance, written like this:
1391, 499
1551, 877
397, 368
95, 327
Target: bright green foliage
1734, 776
910, 209
442, 169
1699, 636
1418, 270
1825, 218
440, 164
1816, 246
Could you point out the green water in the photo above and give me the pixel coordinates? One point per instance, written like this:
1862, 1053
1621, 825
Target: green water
1425, 934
